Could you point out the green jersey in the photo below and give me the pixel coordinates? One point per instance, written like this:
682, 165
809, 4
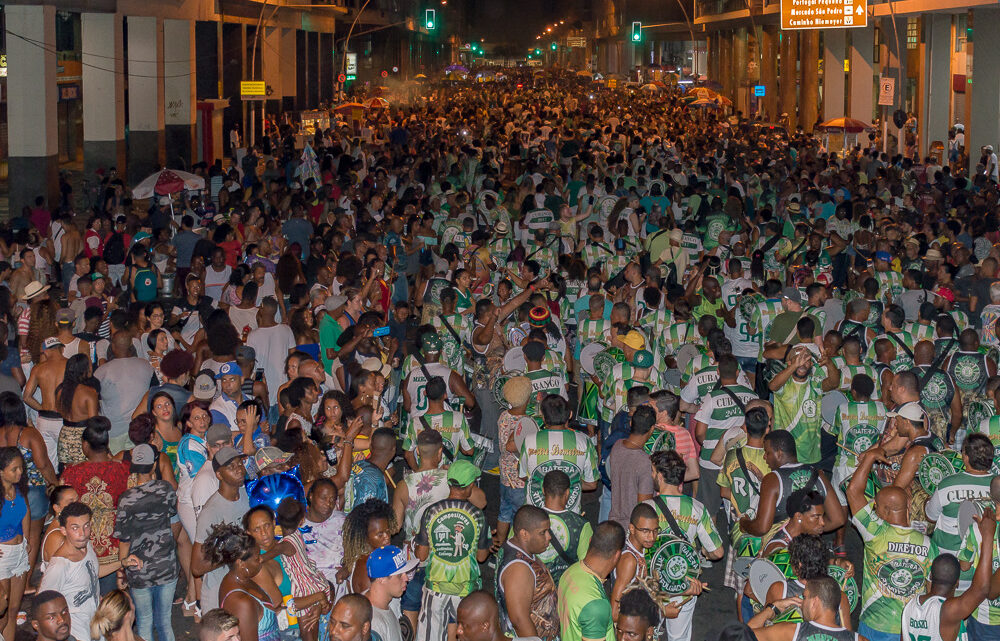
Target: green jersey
590, 331
573, 533
719, 412
744, 487
454, 530
676, 335
919, 332
692, 518
452, 426
700, 362
715, 224
889, 282
543, 383
761, 318
943, 506
848, 372
896, 565
797, 409
559, 449
857, 426
594, 253
584, 608
988, 612
903, 342
452, 349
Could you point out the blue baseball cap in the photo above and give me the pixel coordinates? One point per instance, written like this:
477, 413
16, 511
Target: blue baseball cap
388, 561
229, 369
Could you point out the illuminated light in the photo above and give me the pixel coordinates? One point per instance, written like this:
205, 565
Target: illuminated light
636, 31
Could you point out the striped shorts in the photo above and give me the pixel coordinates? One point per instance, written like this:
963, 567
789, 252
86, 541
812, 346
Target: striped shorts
437, 612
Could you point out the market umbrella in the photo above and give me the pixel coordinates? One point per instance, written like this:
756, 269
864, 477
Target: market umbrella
847, 125
348, 106
166, 182
378, 103
650, 87
420, 76
704, 102
584, 74
458, 68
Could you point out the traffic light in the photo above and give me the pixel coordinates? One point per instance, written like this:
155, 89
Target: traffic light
554, 46
636, 31
538, 52
430, 19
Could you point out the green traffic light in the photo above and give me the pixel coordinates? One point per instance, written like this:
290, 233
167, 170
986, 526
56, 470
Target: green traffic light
538, 52
430, 25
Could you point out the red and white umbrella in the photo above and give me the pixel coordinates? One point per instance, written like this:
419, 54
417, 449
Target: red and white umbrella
166, 182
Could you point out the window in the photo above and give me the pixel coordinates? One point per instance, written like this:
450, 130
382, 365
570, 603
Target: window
912, 33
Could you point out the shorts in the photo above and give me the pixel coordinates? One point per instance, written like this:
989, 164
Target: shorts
49, 425
70, 444
872, 634
437, 612
38, 502
747, 363
410, 601
511, 499
14, 561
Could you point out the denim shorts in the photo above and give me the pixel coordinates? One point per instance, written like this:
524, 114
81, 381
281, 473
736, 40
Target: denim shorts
747, 363
510, 500
410, 601
38, 502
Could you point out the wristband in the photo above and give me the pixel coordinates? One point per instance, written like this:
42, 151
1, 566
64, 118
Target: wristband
774, 609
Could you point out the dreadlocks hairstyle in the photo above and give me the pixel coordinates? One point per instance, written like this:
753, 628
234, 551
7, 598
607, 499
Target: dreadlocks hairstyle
356, 528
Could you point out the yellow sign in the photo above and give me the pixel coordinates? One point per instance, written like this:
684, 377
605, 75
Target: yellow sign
612, 83
253, 88
823, 14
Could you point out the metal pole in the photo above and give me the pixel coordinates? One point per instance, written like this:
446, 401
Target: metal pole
347, 40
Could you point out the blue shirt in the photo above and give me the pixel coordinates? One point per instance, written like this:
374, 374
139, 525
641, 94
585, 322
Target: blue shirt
298, 230
191, 454
366, 482
392, 239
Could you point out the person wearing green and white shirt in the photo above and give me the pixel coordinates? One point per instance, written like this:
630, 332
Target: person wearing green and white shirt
719, 411
695, 524
798, 393
939, 615
972, 483
857, 425
453, 539
452, 425
557, 448
544, 382
765, 313
897, 557
985, 621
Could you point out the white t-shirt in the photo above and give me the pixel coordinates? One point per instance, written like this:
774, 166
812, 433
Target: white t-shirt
386, 624
203, 486
271, 345
215, 281
241, 318
78, 582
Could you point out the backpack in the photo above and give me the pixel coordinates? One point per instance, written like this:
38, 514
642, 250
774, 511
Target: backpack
114, 250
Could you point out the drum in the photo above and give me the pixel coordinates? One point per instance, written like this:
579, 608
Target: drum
660, 441
604, 363
587, 355
763, 574
933, 469
533, 488
499, 379
848, 585
513, 360
685, 354
673, 563
830, 404
872, 485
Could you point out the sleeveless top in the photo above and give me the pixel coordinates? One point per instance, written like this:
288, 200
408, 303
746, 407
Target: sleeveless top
267, 627
30, 469
923, 620
543, 601
791, 477
887, 473
423, 488
11, 517
968, 370
809, 631
641, 568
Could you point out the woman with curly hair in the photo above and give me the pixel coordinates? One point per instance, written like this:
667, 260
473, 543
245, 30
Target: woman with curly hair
142, 429
35, 324
239, 594
303, 325
368, 527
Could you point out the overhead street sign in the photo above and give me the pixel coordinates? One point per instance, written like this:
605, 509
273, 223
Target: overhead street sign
823, 14
759, 91
574, 41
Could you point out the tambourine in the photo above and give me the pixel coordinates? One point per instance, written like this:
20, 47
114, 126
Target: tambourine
762, 575
588, 354
499, 380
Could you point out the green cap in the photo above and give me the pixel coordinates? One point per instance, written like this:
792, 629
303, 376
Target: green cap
463, 473
642, 359
430, 343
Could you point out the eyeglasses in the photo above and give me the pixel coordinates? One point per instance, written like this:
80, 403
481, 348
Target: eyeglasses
647, 530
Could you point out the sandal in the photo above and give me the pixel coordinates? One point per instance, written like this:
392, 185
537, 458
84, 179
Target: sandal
190, 608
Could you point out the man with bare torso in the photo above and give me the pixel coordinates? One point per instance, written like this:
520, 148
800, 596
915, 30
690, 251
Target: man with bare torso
23, 274
45, 377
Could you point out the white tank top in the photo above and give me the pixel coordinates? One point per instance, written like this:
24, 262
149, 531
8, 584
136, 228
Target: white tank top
417, 384
923, 620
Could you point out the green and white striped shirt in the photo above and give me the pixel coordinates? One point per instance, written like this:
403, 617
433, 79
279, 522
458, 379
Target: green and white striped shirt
560, 449
943, 506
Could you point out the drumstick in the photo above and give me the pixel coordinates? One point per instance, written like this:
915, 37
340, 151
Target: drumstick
847, 449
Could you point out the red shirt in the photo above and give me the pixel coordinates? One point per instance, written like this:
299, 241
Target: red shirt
99, 484
683, 443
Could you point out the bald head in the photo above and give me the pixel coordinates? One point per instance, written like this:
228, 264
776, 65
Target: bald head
892, 506
478, 617
121, 345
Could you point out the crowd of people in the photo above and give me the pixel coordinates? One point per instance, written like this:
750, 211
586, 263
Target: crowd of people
513, 360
